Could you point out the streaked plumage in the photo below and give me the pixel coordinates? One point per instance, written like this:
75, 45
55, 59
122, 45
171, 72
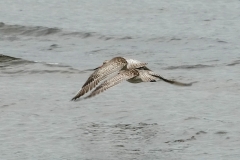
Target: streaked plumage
114, 65
131, 70
133, 76
121, 76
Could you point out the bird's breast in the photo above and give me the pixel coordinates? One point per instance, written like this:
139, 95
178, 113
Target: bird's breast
136, 79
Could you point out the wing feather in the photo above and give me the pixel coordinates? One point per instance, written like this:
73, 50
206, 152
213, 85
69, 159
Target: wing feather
146, 77
133, 64
100, 74
123, 75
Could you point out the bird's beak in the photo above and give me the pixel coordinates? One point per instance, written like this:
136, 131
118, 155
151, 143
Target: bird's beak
96, 68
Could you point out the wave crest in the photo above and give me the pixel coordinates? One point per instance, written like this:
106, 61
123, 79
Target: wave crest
188, 67
16, 30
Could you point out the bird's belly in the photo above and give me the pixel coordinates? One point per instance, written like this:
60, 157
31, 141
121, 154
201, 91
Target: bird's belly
135, 80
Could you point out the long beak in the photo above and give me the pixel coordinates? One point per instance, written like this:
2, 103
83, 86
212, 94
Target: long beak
96, 68
92, 69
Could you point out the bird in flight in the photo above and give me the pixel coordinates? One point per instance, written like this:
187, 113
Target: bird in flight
130, 70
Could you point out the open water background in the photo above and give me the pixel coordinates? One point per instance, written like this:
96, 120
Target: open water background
53, 44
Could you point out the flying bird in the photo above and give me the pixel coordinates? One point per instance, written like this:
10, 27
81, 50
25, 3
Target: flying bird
107, 68
130, 70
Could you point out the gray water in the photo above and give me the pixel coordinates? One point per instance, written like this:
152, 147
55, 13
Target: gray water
52, 47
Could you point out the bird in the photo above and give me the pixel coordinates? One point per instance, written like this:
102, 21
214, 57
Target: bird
133, 76
130, 70
107, 68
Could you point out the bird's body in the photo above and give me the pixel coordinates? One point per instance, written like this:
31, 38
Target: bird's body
114, 65
130, 70
133, 76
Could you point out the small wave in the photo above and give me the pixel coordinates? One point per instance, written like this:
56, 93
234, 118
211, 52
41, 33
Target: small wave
4, 58
6, 61
27, 30
79, 34
188, 67
221, 132
201, 132
12, 65
182, 140
234, 63
45, 31
20, 71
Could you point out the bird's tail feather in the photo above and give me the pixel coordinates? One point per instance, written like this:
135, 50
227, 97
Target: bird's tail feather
173, 82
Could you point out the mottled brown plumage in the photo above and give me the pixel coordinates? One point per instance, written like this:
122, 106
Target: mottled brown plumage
133, 76
114, 65
130, 70
121, 76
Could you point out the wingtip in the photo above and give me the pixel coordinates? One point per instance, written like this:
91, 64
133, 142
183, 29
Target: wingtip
74, 99
77, 99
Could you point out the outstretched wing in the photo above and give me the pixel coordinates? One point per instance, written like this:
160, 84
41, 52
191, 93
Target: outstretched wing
170, 81
123, 75
101, 73
133, 64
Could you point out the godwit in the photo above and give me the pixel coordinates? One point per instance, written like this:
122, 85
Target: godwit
131, 70
108, 67
133, 76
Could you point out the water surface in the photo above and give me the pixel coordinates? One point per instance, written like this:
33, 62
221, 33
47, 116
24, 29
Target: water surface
52, 47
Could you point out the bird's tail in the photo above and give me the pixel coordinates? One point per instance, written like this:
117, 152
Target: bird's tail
172, 81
